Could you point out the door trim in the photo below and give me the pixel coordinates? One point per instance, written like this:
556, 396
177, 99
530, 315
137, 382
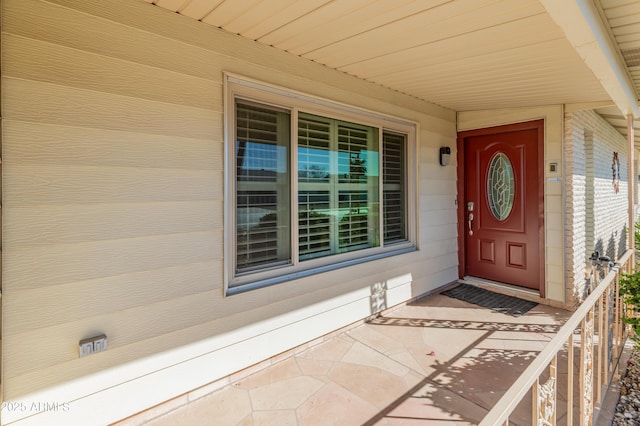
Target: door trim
537, 125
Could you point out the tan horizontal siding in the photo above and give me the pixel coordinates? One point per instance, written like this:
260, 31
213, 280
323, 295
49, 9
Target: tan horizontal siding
70, 27
438, 233
33, 184
50, 144
57, 343
121, 354
140, 331
37, 267
56, 305
173, 41
43, 103
41, 225
113, 192
47, 62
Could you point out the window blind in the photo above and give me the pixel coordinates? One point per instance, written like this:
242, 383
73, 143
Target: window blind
393, 190
314, 224
337, 200
353, 146
354, 225
314, 176
262, 186
314, 155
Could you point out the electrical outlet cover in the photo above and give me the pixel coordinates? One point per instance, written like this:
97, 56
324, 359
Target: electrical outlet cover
86, 348
92, 345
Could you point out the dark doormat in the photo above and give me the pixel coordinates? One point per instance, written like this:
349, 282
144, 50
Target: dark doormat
487, 299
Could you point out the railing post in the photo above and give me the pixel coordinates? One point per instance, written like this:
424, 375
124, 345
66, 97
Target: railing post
535, 418
598, 377
617, 314
586, 369
570, 379
545, 397
552, 401
605, 340
631, 173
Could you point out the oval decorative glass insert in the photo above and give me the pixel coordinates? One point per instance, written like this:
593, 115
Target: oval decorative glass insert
500, 186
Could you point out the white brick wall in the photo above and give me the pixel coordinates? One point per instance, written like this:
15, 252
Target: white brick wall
595, 216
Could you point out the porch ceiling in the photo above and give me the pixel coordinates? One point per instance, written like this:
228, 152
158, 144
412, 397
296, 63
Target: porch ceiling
461, 54
623, 20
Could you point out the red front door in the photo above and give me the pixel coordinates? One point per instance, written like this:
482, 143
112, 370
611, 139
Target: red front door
502, 209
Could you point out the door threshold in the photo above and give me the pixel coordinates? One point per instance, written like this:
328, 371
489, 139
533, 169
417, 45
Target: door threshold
503, 288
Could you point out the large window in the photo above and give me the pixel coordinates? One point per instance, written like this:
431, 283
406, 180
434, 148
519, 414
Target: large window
312, 191
338, 187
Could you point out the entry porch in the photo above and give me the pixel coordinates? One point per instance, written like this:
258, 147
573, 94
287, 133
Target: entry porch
438, 361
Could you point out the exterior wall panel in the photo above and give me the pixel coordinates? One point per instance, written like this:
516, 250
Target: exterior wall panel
113, 205
597, 215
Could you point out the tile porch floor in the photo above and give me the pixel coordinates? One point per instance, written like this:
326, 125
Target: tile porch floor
437, 361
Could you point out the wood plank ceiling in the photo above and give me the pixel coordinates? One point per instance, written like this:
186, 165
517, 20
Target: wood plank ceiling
460, 54
623, 18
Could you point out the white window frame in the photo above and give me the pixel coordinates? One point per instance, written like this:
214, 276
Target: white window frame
237, 87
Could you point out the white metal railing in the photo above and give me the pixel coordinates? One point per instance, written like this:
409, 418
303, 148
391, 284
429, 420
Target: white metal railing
598, 358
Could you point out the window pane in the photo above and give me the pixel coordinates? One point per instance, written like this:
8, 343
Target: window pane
354, 226
500, 186
314, 155
393, 190
352, 157
314, 234
338, 184
262, 186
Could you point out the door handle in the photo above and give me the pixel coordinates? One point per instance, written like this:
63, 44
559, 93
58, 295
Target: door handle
470, 224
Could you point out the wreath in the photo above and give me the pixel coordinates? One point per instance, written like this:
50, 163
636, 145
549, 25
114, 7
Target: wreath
615, 168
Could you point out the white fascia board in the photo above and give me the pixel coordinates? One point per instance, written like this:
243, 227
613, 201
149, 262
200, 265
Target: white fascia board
583, 27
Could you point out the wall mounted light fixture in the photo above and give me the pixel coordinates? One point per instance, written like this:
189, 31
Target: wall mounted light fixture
445, 155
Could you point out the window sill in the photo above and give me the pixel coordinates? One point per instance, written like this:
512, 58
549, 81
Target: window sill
242, 288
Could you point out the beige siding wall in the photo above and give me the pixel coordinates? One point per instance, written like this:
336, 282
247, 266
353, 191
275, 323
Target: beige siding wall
553, 182
113, 207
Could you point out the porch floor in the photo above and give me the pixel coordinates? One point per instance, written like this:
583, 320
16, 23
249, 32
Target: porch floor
437, 361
